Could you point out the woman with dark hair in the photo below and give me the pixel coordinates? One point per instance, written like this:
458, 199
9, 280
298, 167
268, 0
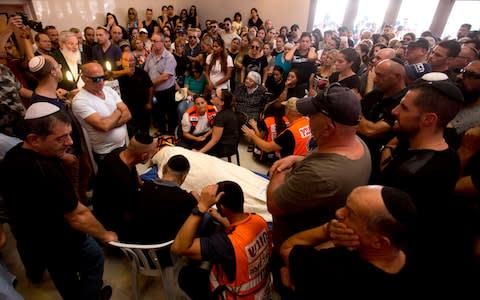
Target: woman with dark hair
254, 19
193, 20
226, 131
362, 50
183, 17
111, 20
162, 20
237, 22
196, 82
219, 67
347, 65
293, 88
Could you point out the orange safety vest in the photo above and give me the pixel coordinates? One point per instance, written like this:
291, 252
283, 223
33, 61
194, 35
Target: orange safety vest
300, 129
193, 116
252, 246
271, 135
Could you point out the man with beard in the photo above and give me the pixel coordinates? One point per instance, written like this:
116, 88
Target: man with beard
469, 83
421, 163
70, 59
89, 34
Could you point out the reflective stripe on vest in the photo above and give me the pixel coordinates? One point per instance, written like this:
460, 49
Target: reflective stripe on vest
252, 246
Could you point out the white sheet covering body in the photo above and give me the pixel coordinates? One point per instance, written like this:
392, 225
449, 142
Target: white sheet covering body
206, 169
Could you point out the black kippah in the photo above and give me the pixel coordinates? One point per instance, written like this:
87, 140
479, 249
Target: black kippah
178, 163
143, 138
400, 205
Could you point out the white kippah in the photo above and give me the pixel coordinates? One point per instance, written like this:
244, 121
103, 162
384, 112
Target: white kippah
36, 63
40, 109
435, 76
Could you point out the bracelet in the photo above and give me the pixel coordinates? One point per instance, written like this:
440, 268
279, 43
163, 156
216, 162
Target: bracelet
386, 147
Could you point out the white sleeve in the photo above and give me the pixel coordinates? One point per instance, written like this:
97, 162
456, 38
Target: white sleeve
229, 61
186, 126
81, 107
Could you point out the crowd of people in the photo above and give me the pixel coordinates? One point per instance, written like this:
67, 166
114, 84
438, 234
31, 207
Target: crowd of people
373, 146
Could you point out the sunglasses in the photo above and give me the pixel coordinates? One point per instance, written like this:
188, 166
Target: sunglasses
470, 74
255, 47
192, 37
97, 79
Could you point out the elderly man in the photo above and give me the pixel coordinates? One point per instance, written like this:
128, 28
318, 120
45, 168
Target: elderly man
160, 66
101, 112
378, 222
304, 192
239, 255
57, 233
70, 58
367, 78
421, 163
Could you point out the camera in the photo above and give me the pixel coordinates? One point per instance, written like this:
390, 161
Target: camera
37, 26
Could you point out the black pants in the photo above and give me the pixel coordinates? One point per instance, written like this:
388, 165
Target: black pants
195, 282
165, 111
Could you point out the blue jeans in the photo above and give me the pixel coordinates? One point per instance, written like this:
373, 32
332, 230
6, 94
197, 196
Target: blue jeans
78, 275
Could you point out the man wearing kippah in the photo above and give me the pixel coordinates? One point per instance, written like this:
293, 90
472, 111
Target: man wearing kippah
420, 162
51, 226
305, 191
369, 234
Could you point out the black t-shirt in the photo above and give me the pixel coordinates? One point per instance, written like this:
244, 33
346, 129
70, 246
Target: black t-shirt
38, 194
160, 209
134, 89
297, 91
286, 140
227, 119
352, 82
114, 193
340, 273
150, 27
254, 64
274, 88
304, 66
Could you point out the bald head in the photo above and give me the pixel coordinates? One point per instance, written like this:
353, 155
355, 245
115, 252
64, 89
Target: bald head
380, 210
385, 53
89, 68
389, 77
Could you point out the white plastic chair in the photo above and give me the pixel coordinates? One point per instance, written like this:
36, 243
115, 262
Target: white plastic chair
143, 260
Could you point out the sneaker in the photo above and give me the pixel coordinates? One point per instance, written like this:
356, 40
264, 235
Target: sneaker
106, 293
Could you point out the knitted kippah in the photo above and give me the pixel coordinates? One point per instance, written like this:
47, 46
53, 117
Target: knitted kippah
40, 110
36, 63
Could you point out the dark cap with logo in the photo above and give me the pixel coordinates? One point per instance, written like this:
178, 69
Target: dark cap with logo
419, 43
337, 102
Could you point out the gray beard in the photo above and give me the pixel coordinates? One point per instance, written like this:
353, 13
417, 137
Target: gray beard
72, 58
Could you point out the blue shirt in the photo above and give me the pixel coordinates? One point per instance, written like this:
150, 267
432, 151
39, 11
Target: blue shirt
155, 66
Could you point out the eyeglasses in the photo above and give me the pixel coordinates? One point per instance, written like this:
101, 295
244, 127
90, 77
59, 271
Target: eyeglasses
255, 47
470, 74
156, 41
97, 79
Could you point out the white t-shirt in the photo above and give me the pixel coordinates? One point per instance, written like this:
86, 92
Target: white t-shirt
85, 104
202, 124
216, 72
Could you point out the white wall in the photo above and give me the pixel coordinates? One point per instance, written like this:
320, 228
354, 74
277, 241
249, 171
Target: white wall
65, 14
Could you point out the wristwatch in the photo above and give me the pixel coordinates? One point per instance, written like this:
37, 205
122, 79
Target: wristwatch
196, 212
